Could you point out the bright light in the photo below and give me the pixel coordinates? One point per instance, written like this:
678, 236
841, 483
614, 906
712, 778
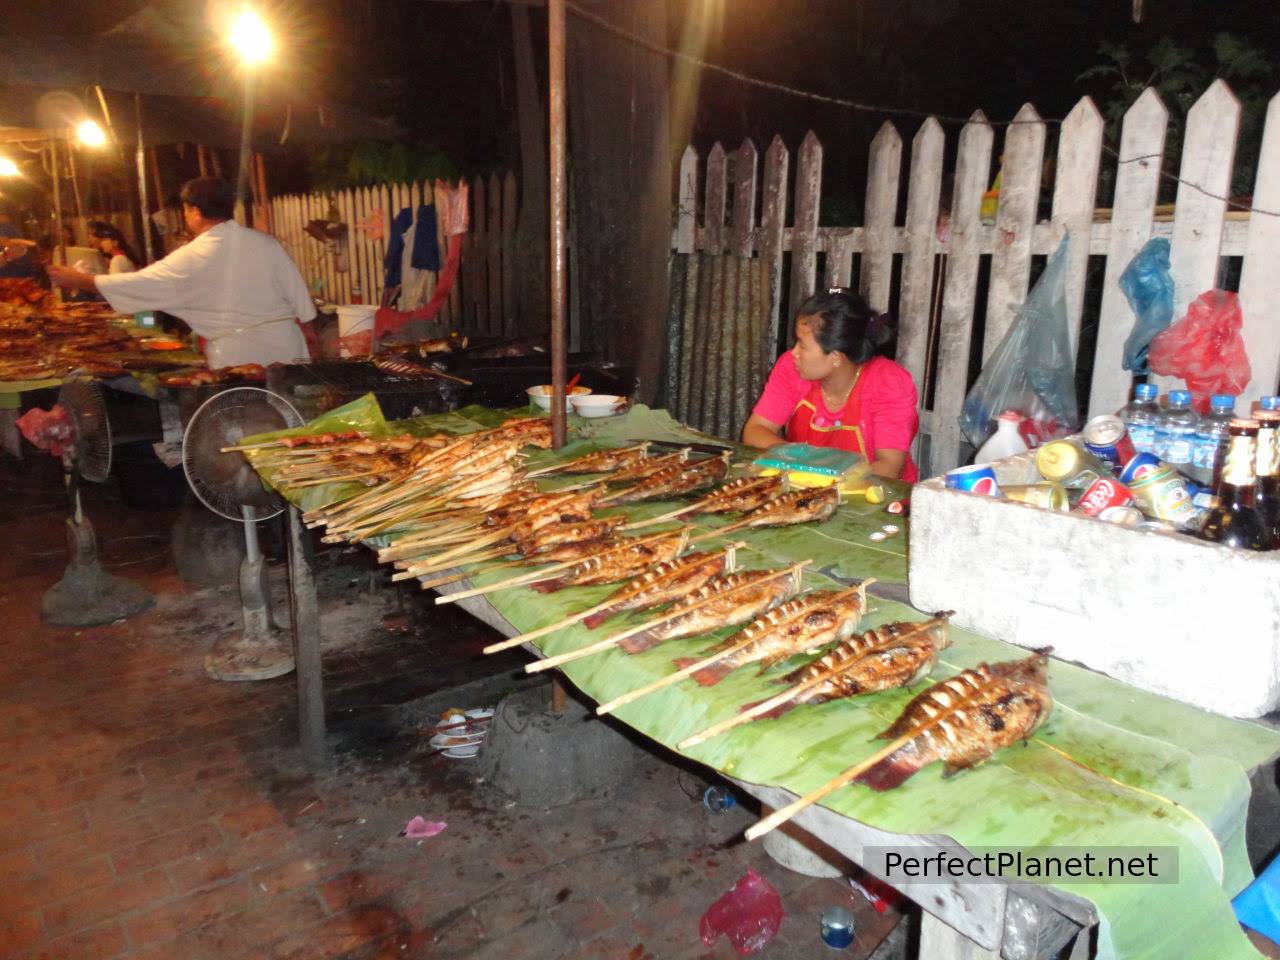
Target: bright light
90, 134
251, 39
8, 168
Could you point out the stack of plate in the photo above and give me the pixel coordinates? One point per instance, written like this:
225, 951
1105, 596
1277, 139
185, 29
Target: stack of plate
463, 740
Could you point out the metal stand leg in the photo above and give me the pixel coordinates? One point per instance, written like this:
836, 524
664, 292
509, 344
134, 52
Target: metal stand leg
941, 942
305, 626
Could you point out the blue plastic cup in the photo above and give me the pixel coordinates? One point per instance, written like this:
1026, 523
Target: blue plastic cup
837, 927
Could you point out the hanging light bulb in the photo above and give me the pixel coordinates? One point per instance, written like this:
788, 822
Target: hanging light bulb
90, 134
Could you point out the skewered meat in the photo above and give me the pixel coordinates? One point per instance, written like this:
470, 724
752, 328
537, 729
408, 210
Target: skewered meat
799, 506
632, 557
798, 626
664, 583
965, 719
743, 494
723, 602
673, 481
553, 535
646, 467
601, 461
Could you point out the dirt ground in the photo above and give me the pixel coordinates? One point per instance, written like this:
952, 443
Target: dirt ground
147, 811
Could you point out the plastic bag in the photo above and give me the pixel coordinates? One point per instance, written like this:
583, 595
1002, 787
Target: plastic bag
1205, 348
50, 430
749, 915
1148, 286
1258, 907
1032, 370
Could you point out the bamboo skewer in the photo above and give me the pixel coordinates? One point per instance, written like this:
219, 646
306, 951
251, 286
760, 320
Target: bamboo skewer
693, 668
547, 663
559, 467
783, 814
583, 614
424, 569
544, 573
794, 691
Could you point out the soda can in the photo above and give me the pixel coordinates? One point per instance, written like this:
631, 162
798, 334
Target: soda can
1105, 437
1163, 495
1103, 493
1139, 466
1063, 462
979, 478
1123, 516
1049, 495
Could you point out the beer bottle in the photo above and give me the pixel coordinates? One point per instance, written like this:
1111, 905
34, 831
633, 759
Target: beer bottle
1268, 466
1236, 520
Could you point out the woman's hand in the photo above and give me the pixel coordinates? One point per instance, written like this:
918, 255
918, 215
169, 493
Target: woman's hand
761, 433
889, 464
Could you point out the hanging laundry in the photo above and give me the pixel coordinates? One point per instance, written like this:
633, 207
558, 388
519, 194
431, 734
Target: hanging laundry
395, 248
374, 225
426, 243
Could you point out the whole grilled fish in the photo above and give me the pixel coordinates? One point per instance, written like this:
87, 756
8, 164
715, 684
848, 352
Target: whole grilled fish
553, 535
743, 494
578, 550
600, 462
528, 431
663, 583
895, 655
568, 507
799, 506
628, 559
648, 466
965, 719
673, 481
803, 624
725, 601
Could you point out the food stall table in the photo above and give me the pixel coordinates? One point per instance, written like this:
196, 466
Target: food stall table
1113, 767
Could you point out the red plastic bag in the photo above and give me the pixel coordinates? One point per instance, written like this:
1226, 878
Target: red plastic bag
1205, 348
49, 430
749, 915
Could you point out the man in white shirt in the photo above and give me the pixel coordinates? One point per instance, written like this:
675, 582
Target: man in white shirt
233, 286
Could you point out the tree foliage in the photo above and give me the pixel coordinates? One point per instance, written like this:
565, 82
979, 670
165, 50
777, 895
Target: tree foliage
1180, 73
369, 162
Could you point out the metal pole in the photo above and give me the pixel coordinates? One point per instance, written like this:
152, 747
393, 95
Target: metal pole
304, 622
559, 218
141, 159
246, 161
56, 174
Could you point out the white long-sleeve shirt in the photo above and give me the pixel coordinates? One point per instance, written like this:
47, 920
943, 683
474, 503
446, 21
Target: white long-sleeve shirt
234, 286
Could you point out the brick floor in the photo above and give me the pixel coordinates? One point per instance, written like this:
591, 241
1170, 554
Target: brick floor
148, 812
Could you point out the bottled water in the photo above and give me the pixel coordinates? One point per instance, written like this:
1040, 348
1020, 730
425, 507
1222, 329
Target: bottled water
1176, 430
1207, 451
1140, 417
718, 799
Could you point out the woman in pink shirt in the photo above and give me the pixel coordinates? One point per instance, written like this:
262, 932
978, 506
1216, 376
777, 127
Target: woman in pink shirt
832, 390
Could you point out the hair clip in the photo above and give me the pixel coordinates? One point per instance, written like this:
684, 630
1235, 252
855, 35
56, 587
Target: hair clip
831, 290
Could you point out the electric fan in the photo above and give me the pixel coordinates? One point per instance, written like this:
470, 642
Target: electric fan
229, 486
87, 595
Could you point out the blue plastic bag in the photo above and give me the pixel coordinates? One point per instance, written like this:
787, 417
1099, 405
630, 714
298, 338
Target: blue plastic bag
1032, 371
1148, 286
1258, 907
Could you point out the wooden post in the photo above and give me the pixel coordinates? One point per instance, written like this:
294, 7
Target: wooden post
140, 159
804, 235
1260, 281
305, 627
1074, 194
772, 224
559, 215
923, 196
883, 172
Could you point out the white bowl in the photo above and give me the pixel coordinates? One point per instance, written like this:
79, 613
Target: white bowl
597, 405
541, 395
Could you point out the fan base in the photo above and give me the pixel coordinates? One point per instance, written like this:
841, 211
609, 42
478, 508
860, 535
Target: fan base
88, 596
237, 659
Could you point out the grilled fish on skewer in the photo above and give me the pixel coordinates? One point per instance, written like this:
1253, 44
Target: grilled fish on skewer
965, 719
725, 601
617, 564
673, 481
741, 495
647, 467
553, 535
799, 506
664, 583
803, 624
600, 462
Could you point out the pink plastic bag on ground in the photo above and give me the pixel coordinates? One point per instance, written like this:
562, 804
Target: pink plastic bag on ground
749, 915
1205, 347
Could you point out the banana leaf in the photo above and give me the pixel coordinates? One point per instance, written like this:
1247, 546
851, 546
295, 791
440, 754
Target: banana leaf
1113, 765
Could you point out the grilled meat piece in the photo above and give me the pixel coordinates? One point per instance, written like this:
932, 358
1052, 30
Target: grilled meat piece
630, 558
647, 466
556, 534
663, 583
601, 461
673, 481
799, 506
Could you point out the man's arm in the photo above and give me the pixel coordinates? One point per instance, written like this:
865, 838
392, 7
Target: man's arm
73, 279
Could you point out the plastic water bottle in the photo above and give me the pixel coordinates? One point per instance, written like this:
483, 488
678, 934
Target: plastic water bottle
1005, 442
718, 800
1140, 417
1213, 427
1265, 403
1176, 430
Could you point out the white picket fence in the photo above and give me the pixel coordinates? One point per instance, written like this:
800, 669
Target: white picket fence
482, 300
939, 273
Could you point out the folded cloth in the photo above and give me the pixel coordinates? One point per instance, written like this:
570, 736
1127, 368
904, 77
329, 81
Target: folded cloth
395, 248
387, 320
426, 245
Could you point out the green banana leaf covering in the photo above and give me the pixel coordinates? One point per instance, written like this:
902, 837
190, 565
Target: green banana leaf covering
1113, 765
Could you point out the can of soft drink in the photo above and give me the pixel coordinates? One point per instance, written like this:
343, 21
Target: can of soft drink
1163, 495
1049, 495
1105, 437
1103, 493
1122, 516
979, 478
1139, 466
1063, 462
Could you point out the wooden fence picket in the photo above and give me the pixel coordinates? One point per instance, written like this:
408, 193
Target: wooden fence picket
924, 190
741, 230
1260, 281
883, 171
715, 194
1074, 196
687, 203
773, 218
804, 235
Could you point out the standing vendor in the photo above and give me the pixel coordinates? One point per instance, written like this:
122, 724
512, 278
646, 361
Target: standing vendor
832, 390
234, 286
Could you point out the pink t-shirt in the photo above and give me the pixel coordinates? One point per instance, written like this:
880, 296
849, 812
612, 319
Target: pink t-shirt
883, 404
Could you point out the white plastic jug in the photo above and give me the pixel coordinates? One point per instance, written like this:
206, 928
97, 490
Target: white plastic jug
1005, 442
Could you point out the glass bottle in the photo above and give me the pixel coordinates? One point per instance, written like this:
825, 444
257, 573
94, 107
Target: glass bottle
1268, 468
1236, 520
